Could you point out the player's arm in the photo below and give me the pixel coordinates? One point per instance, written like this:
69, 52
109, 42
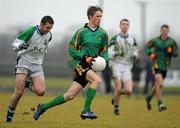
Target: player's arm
150, 50
104, 51
175, 50
50, 38
74, 48
21, 41
135, 51
148, 47
112, 48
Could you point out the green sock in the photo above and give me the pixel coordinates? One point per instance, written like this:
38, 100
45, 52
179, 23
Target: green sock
56, 101
149, 98
91, 92
159, 102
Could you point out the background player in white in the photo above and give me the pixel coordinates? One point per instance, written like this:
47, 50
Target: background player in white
122, 53
31, 46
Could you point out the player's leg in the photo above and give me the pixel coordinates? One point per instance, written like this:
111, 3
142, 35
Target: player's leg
38, 86
95, 80
18, 92
127, 80
149, 97
69, 95
159, 86
117, 75
36, 80
128, 87
117, 91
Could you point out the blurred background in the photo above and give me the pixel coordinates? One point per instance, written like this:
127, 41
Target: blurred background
146, 17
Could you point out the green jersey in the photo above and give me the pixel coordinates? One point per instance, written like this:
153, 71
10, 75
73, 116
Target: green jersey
87, 42
159, 48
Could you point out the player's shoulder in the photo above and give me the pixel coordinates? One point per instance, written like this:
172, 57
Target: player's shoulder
154, 39
114, 37
82, 29
131, 36
27, 33
171, 39
103, 30
30, 29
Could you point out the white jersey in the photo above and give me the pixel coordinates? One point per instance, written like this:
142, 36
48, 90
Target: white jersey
37, 45
123, 49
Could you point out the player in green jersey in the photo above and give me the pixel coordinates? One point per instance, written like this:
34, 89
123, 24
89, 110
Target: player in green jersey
160, 50
31, 46
88, 42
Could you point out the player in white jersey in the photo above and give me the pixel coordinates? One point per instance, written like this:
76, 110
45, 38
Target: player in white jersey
122, 53
31, 46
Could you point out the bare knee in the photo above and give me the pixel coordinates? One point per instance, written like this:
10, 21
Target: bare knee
117, 91
97, 81
18, 93
40, 92
128, 90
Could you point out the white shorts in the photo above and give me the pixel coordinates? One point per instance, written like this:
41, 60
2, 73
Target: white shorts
25, 67
121, 71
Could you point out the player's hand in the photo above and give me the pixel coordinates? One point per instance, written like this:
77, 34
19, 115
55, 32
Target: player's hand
23, 46
152, 56
169, 50
87, 59
133, 59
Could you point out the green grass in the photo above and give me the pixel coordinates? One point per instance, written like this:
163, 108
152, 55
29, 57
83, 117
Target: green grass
63, 83
133, 113
50, 82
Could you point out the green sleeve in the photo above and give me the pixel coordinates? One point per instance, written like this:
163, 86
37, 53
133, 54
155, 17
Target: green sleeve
112, 40
74, 46
175, 50
27, 34
104, 51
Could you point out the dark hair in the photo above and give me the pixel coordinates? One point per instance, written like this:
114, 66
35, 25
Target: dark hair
164, 26
92, 10
124, 20
47, 19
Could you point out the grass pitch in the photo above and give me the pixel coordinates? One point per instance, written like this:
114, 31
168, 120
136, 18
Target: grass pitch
133, 113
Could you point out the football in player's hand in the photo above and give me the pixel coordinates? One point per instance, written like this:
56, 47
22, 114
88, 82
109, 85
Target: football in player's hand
98, 64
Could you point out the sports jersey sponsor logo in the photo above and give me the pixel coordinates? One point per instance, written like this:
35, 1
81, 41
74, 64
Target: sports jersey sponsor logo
37, 49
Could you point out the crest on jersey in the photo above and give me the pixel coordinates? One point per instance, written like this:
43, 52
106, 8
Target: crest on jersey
99, 38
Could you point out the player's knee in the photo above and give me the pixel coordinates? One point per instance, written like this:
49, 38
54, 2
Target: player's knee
129, 90
117, 91
40, 92
19, 93
97, 81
